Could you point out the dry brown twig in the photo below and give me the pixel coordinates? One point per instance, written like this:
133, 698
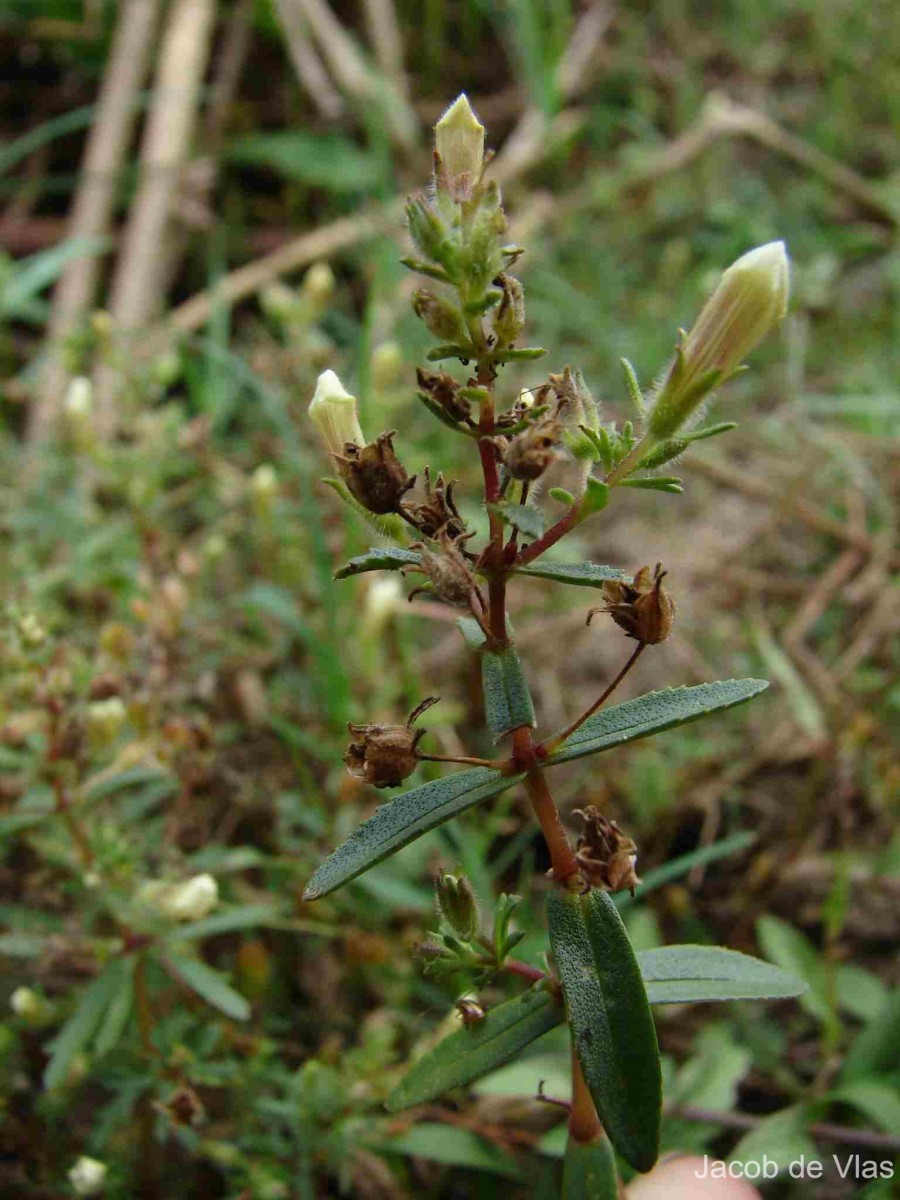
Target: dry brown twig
352, 73
99, 178
308, 66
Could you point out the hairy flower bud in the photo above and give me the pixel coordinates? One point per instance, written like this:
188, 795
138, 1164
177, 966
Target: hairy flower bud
88, 1176
644, 609
456, 902
509, 319
374, 474
440, 316
333, 412
750, 300
459, 143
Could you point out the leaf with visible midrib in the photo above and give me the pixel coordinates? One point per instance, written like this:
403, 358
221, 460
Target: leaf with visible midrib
210, 984
469, 1053
507, 700
610, 1018
586, 574
652, 713
401, 821
379, 558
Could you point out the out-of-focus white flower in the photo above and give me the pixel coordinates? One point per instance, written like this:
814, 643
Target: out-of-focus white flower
318, 286
750, 300
383, 597
104, 720
88, 1176
333, 412
264, 482
27, 1004
387, 360
79, 399
189, 901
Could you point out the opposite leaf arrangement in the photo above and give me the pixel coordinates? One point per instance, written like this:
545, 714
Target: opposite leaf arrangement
593, 980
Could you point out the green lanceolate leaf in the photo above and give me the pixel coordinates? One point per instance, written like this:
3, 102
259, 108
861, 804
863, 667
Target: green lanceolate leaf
586, 574
469, 1053
610, 1018
589, 1171
507, 700
379, 558
652, 713
211, 985
118, 1011
83, 1023
443, 1143
689, 974
401, 821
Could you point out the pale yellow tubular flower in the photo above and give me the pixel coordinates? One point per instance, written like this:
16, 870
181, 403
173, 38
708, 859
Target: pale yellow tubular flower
751, 298
333, 412
459, 140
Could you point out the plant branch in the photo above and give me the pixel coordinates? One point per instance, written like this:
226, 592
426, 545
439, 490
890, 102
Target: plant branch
557, 741
584, 1124
562, 857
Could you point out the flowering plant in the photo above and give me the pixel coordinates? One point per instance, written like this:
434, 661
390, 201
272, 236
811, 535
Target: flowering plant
591, 979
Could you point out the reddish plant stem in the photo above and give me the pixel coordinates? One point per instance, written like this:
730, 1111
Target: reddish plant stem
566, 522
549, 746
524, 970
562, 857
584, 1124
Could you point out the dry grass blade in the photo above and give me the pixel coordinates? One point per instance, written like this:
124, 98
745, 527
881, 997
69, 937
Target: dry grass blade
308, 67
98, 185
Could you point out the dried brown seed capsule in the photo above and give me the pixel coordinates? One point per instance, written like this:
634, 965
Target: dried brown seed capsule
607, 857
437, 511
444, 390
384, 755
644, 609
531, 452
374, 474
448, 572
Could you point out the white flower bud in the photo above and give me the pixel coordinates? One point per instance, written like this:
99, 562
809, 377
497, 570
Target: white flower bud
88, 1175
104, 719
459, 140
79, 398
384, 597
189, 901
27, 1004
318, 286
264, 482
278, 301
750, 300
333, 412
387, 360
